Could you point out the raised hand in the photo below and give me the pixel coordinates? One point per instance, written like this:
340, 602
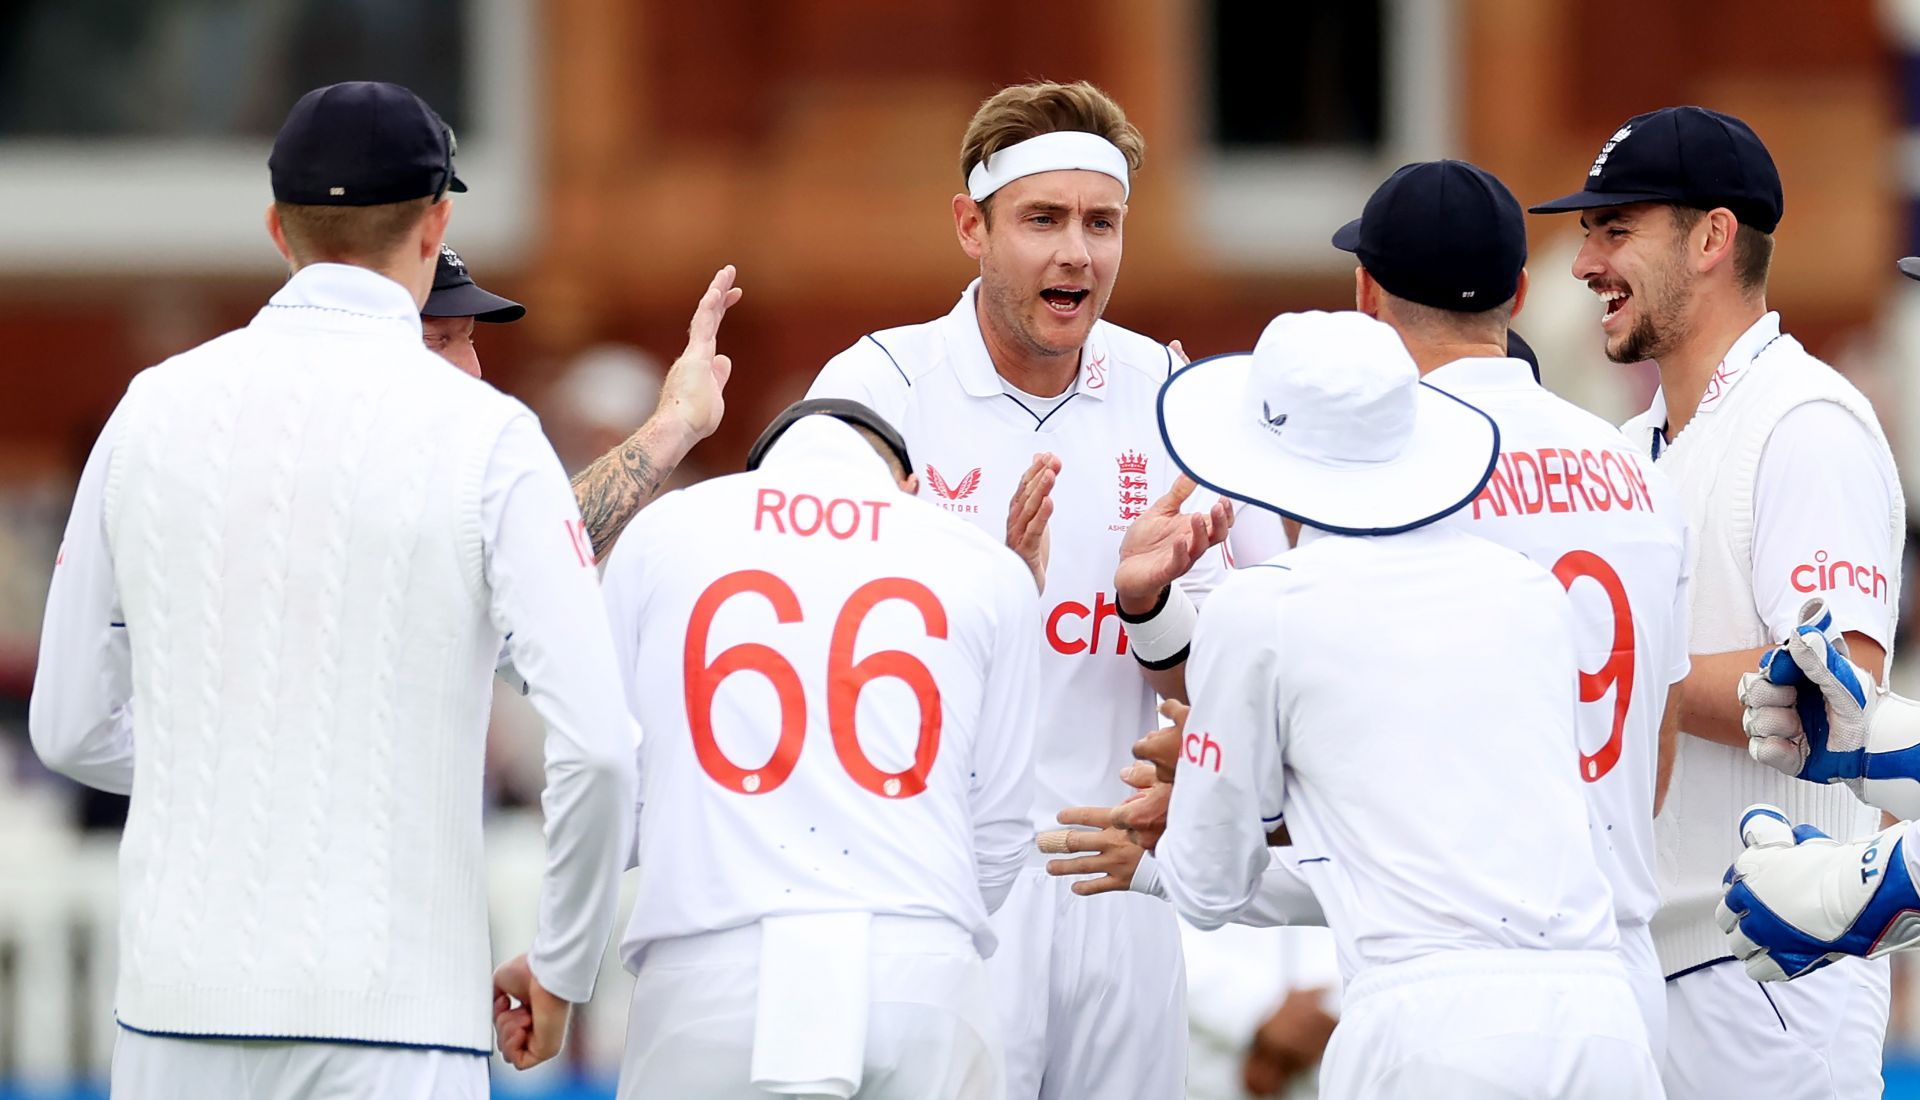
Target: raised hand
695, 384
1028, 513
1164, 543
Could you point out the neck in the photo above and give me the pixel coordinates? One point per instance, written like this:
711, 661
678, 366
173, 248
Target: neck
1686, 368
1030, 371
1430, 356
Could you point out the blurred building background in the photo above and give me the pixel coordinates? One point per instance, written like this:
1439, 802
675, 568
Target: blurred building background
621, 150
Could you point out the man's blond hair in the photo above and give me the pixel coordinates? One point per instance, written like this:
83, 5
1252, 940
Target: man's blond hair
1012, 115
349, 234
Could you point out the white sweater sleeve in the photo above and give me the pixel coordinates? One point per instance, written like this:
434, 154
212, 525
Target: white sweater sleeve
546, 599
1281, 899
1002, 792
1230, 786
81, 716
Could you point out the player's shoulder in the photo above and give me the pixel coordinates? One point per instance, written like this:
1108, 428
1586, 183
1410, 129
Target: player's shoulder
903, 354
1142, 354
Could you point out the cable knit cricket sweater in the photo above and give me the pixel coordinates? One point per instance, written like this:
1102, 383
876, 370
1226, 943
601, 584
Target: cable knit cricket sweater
294, 510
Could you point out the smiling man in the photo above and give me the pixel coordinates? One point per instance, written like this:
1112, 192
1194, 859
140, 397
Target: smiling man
1091, 995
1783, 468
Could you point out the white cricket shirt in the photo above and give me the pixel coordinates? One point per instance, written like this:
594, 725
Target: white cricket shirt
1570, 493
292, 556
972, 441
836, 694
1406, 705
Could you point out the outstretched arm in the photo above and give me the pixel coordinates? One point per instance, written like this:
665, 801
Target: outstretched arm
622, 481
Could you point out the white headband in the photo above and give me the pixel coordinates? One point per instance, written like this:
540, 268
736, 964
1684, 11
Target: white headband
1062, 150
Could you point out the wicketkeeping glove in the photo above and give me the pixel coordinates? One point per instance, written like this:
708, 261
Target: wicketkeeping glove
1813, 714
1797, 900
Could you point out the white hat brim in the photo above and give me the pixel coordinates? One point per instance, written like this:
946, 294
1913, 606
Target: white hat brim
1212, 436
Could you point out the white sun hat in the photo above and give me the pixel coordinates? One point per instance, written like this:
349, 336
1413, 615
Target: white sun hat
1326, 421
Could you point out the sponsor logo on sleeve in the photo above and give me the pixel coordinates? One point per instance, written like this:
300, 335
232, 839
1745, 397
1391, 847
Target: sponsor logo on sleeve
1825, 574
1201, 750
582, 545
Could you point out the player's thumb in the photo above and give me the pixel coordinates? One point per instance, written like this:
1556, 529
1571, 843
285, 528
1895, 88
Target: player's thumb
1764, 826
722, 369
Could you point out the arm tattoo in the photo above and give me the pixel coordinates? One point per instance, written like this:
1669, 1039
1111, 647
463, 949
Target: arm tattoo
618, 484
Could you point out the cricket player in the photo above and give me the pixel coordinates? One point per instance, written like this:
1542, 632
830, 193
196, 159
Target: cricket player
624, 479
838, 694
292, 557
1790, 493
1443, 250
1023, 364
1474, 968
456, 303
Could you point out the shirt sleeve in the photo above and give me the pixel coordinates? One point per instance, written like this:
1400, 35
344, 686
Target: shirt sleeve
868, 373
1823, 501
1002, 790
1230, 784
545, 598
623, 590
81, 716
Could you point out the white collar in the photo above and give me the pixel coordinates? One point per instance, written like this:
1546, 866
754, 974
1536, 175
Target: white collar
821, 440
343, 296
1478, 374
967, 351
1733, 367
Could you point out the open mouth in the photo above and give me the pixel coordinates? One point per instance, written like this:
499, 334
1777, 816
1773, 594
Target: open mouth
1063, 299
1613, 300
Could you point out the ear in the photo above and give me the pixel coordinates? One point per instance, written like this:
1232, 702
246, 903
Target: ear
1520, 293
970, 225
435, 225
1366, 293
911, 486
1713, 239
279, 235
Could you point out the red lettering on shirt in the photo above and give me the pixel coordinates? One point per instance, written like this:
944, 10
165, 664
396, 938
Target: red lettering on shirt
806, 515
1196, 746
1824, 575
582, 545
1557, 480
1102, 610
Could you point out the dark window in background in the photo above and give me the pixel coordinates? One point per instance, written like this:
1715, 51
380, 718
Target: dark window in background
215, 68
1298, 74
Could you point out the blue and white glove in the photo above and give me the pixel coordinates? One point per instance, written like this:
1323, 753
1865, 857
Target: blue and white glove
1815, 715
1797, 900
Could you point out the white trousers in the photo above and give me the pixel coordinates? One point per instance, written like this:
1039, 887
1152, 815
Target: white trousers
931, 1034
1091, 992
1491, 1025
1813, 1038
159, 1067
1649, 983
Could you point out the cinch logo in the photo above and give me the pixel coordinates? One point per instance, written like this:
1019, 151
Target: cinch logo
1196, 746
1820, 575
1070, 618
949, 494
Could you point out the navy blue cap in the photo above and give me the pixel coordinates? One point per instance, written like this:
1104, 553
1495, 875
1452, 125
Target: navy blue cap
455, 294
363, 143
1443, 233
1685, 156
